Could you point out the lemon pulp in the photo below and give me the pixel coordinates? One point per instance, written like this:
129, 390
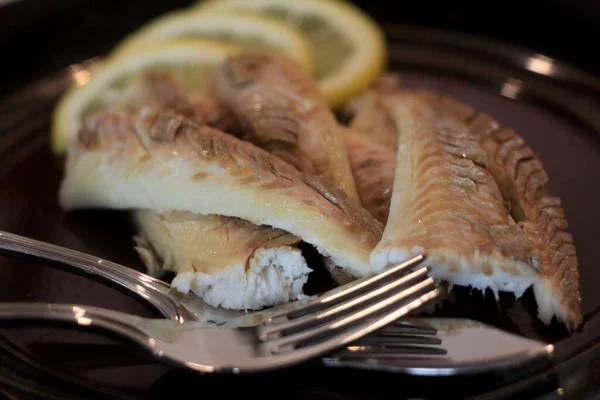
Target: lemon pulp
348, 47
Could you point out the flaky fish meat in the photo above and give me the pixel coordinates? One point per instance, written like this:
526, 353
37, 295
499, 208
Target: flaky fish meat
446, 204
373, 169
280, 109
163, 162
523, 182
227, 262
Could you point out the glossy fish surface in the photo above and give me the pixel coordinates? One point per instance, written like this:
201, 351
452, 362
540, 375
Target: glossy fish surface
371, 116
524, 185
227, 262
446, 204
280, 109
373, 169
163, 162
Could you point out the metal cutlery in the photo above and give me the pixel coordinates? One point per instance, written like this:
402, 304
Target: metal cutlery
285, 336
427, 346
145, 287
413, 345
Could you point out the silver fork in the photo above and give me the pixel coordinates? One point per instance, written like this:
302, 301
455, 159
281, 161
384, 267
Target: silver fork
429, 346
286, 336
418, 346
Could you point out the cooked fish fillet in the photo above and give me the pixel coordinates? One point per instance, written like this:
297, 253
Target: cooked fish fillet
160, 90
523, 181
163, 162
227, 262
389, 82
373, 169
281, 110
446, 203
371, 116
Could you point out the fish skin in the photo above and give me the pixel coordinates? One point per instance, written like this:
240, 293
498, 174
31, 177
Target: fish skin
523, 182
205, 250
371, 117
126, 169
208, 242
372, 165
446, 204
280, 109
160, 90
373, 169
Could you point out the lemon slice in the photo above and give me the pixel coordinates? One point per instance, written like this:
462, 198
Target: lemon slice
249, 32
348, 46
190, 61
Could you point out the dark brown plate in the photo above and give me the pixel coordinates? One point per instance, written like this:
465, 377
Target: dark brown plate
553, 106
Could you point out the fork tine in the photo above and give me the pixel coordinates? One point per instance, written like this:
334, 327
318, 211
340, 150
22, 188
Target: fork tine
399, 302
352, 334
401, 330
376, 340
342, 308
352, 289
363, 352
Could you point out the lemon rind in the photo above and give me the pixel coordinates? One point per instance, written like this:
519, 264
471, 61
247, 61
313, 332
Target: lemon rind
291, 41
356, 74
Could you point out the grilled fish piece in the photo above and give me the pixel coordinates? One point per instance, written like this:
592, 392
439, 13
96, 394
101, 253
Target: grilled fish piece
164, 162
226, 261
523, 182
446, 203
258, 266
281, 110
160, 90
373, 169
371, 117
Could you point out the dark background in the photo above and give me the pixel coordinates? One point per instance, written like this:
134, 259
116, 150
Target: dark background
41, 36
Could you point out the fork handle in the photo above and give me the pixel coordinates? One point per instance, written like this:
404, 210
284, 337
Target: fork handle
150, 289
124, 326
